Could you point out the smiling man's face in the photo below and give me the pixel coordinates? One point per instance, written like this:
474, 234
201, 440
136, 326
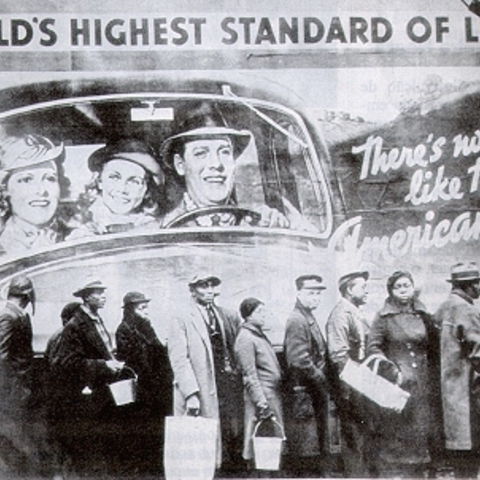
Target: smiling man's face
208, 166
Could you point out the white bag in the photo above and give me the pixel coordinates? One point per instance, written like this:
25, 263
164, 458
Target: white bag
190, 448
373, 386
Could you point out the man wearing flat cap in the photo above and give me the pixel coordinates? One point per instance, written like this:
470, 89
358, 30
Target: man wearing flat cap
140, 348
86, 363
306, 355
16, 354
347, 332
202, 154
206, 382
459, 320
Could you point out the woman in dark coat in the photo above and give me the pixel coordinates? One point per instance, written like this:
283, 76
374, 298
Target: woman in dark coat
404, 333
142, 351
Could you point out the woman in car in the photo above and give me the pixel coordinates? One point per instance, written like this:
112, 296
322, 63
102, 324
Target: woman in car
404, 333
32, 181
122, 195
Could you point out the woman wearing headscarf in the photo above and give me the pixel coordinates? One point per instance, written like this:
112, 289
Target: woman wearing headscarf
123, 194
404, 333
260, 370
32, 182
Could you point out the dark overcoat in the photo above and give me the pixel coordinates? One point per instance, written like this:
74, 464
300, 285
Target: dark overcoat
406, 336
459, 320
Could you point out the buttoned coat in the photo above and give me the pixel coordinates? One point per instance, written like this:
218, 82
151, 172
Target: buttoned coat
460, 369
406, 336
261, 374
308, 369
191, 358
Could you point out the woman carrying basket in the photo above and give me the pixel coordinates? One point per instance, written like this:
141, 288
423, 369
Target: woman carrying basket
260, 369
404, 333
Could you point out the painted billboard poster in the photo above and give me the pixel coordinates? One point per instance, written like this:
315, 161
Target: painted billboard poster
347, 140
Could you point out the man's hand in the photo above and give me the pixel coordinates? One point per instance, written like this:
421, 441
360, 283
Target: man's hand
114, 365
272, 218
193, 405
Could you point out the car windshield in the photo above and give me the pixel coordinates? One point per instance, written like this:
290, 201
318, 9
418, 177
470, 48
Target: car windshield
278, 169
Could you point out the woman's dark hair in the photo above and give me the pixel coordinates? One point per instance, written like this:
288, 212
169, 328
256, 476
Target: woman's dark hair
396, 276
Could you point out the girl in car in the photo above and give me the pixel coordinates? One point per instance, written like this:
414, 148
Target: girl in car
123, 194
32, 181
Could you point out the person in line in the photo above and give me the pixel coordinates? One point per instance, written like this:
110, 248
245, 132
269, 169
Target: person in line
347, 335
84, 359
459, 320
21, 454
260, 369
141, 350
32, 182
206, 381
124, 192
201, 154
308, 372
404, 333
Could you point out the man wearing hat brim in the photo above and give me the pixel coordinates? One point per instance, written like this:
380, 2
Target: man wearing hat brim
202, 153
201, 349
86, 365
140, 348
16, 355
347, 334
459, 320
306, 355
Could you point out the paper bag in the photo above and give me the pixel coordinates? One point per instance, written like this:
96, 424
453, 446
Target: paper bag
373, 386
190, 448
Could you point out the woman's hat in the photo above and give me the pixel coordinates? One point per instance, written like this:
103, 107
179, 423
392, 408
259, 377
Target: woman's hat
203, 120
18, 153
248, 306
132, 298
96, 285
462, 272
130, 150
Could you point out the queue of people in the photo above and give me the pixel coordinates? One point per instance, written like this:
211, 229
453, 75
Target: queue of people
220, 364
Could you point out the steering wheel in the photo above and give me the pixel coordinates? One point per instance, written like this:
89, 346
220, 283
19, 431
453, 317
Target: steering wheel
239, 214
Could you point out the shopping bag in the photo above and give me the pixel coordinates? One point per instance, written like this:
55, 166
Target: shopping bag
190, 448
367, 382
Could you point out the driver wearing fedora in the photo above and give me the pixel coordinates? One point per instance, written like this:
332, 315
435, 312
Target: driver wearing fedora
203, 151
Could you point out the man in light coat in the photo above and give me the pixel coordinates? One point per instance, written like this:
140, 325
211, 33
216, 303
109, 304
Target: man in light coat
459, 320
201, 342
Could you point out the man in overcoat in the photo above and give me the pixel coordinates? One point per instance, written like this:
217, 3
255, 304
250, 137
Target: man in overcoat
347, 333
85, 361
18, 451
459, 320
206, 382
306, 356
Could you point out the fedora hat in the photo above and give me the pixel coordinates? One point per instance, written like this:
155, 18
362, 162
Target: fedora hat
461, 272
96, 285
202, 120
22, 152
132, 298
130, 150
352, 275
